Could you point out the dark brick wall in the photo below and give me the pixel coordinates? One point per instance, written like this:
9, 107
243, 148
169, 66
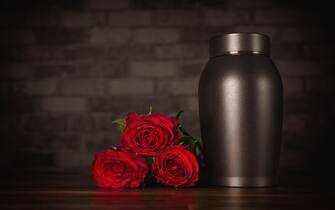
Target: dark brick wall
69, 67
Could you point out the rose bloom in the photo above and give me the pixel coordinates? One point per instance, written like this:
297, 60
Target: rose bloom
177, 167
149, 134
119, 168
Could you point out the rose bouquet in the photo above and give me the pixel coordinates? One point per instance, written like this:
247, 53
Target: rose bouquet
154, 147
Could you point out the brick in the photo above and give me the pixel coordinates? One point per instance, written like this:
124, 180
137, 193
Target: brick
130, 18
105, 5
19, 103
32, 19
292, 85
129, 87
22, 141
60, 142
84, 53
104, 123
178, 18
316, 84
273, 32
302, 34
120, 105
16, 37
98, 142
80, 19
64, 104
55, 70
313, 85
190, 121
192, 68
294, 125
116, 104
294, 141
73, 158
192, 104
110, 36
225, 17
108, 69
17, 70
278, 16
61, 36
37, 53
299, 104
44, 123
119, 69
133, 51
299, 67
112, 138
250, 4
86, 70
82, 123
7, 54
29, 159
31, 53
153, 35
202, 34
179, 87
4, 88
182, 51
153, 69
316, 50
45, 87
168, 4
314, 121
22, 19
81, 87
79, 49
287, 50
292, 160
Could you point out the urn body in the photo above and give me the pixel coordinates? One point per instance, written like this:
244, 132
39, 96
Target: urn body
240, 108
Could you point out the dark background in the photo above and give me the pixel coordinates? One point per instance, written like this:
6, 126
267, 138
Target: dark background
67, 68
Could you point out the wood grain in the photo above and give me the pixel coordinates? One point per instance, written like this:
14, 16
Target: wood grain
78, 192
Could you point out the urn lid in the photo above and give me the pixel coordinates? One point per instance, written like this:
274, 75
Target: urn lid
239, 43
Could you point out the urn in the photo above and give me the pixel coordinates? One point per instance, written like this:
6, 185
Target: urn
240, 109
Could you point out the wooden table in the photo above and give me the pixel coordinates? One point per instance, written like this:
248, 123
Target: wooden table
73, 191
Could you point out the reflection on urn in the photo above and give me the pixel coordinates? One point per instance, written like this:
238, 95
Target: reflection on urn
240, 105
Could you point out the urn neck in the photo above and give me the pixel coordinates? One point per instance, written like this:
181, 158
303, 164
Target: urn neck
239, 44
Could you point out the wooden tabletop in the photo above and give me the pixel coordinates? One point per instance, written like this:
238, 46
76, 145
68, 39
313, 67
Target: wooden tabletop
78, 192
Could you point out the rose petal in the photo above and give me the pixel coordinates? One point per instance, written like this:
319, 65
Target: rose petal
119, 168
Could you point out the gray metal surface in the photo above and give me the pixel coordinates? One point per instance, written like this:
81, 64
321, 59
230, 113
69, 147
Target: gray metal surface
240, 104
235, 43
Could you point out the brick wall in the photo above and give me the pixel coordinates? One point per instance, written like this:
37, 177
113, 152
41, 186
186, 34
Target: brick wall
68, 68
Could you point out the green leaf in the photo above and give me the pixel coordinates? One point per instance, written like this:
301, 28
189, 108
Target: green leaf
150, 110
192, 142
195, 144
183, 131
150, 160
120, 123
186, 140
178, 116
199, 141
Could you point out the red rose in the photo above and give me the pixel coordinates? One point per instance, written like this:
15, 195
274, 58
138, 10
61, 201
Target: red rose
119, 168
149, 134
176, 166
